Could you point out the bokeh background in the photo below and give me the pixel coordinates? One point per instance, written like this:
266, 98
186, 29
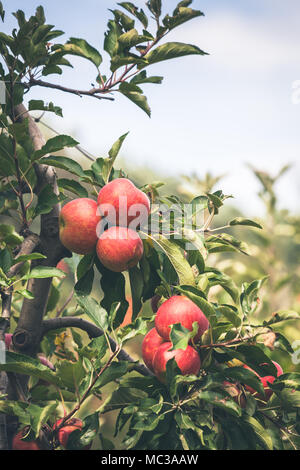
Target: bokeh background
215, 113
229, 120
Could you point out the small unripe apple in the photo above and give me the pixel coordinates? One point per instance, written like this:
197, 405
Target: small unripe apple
151, 343
19, 444
119, 248
180, 309
120, 201
64, 432
78, 222
265, 380
188, 360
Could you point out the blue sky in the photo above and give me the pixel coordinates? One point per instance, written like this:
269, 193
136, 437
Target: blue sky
214, 113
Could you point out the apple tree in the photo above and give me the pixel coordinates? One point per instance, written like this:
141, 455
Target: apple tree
206, 378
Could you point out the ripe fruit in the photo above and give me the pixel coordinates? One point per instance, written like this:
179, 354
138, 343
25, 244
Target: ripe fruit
19, 444
119, 248
64, 432
265, 380
180, 309
120, 201
78, 221
151, 343
187, 360
63, 266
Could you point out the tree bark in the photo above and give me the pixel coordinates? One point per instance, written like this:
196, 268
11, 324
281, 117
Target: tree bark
28, 332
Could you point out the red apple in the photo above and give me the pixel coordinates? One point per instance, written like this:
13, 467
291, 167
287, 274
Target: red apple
120, 201
63, 266
119, 248
150, 344
78, 221
265, 380
8, 340
19, 444
64, 432
180, 309
188, 360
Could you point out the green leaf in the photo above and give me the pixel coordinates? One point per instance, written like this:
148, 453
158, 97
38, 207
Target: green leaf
81, 48
54, 145
129, 39
26, 365
70, 373
115, 371
242, 221
133, 94
155, 7
41, 106
219, 278
139, 14
125, 21
47, 199
43, 272
282, 315
111, 38
93, 310
113, 287
30, 257
245, 376
230, 313
103, 166
64, 163
72, 186
172, 50
177, 259
6, 260
260, 432
40, 416
2, 12
25, 293
142, 78
84, 285
221, 400
181, 336
181, 15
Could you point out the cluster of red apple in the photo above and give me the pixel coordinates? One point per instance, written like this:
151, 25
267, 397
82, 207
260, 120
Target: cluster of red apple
157, 347
118, 204
63, 434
